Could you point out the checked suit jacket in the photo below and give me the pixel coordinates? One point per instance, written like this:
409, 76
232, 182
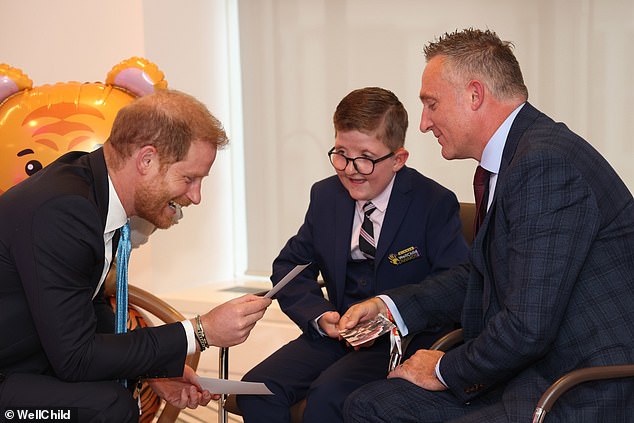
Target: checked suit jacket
550, 283
51, 260
420, 214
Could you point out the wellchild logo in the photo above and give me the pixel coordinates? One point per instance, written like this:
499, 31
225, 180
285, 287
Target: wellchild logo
40, 414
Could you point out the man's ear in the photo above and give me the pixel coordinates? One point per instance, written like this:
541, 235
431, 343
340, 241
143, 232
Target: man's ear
477, 92
147, 159
400, 157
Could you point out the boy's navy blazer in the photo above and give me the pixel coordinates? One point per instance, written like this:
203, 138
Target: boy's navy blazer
421, 214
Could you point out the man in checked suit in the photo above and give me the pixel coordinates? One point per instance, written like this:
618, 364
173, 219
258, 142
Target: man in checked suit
58, 231
550, 283
417, 225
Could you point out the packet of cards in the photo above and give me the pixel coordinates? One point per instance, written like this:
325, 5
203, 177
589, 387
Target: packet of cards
367, 331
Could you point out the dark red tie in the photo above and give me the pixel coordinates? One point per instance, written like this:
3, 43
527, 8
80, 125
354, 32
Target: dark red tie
480, 189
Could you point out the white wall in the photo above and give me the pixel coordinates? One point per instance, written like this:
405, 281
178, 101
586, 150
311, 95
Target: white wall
300, 57
81, 40
189, 41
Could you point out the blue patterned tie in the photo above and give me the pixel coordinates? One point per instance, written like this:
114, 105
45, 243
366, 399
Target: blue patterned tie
123, 254
367, 244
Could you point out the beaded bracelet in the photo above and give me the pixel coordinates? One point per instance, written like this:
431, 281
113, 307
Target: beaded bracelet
200, 335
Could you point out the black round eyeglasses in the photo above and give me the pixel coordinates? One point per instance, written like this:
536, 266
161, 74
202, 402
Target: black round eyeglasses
363, 165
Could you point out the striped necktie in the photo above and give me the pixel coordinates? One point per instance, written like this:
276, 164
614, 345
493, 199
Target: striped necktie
367, 244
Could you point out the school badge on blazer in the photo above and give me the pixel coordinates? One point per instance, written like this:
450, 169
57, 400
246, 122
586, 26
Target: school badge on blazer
404, 256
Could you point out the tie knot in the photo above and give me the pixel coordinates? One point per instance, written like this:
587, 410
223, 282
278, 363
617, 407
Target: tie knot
481, 176
368, 208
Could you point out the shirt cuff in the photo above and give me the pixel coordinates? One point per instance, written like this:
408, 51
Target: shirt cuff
398, 320
317, 327
189, 333
438, 375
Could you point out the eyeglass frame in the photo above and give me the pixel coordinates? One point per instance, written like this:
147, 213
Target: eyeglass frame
348, 160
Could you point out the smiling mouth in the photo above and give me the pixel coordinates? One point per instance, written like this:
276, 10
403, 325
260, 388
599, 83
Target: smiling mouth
356, 180
178, 209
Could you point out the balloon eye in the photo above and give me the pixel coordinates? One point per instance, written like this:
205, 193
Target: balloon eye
32, 167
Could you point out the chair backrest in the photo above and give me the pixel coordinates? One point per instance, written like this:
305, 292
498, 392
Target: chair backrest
467, 217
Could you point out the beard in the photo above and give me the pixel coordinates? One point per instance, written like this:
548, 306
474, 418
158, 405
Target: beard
152, 204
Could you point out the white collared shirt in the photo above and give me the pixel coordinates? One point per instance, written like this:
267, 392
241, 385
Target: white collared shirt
492, 154
115, 219
380, 202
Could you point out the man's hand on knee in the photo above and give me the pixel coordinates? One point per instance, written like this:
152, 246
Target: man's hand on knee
420, 369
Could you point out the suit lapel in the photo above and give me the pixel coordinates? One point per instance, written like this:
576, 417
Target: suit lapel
524, 119
398, 205
522, 122
100, 177
101, 194
344, 214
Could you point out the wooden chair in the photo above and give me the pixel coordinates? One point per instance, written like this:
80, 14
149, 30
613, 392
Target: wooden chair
141, 303
230, 405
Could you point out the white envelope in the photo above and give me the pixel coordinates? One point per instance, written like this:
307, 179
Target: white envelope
224, 386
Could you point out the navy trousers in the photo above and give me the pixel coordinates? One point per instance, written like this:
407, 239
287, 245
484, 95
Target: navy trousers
322, 370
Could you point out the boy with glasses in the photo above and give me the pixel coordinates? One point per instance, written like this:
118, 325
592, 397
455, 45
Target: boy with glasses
376, 225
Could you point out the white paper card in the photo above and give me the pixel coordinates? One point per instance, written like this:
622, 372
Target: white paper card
286, 279
224, 386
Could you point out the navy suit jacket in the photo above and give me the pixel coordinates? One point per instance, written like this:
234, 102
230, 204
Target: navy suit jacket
51, 260
550, 284
420, 214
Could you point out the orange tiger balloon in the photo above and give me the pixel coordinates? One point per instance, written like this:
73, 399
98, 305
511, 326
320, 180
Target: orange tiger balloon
39, 124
